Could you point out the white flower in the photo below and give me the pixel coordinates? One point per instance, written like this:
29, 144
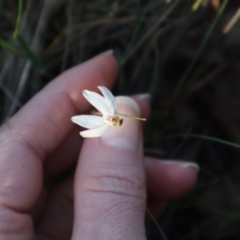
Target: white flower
107, 107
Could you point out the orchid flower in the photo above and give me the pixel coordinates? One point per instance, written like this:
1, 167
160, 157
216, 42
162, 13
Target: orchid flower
106, 117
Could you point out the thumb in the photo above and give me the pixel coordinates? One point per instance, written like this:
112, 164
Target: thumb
110, 190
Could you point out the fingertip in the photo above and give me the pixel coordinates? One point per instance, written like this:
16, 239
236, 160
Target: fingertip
170, 179
127, 102
143, 96
108, 52
100, 70
143, 101
106, 62
127, 137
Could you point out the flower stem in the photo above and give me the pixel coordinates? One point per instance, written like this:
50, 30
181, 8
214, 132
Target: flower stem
133, 117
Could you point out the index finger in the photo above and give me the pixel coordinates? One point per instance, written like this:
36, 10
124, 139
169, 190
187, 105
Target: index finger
41, 125
45, 120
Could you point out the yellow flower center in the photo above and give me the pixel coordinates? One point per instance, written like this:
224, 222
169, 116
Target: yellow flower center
115, 121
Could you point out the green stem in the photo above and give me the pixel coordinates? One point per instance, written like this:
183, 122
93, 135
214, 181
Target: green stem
19, 17
231, 144
133, 117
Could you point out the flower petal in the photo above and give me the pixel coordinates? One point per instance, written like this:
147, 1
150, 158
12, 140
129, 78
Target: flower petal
96, 132
109, 98
88, 121
98, 101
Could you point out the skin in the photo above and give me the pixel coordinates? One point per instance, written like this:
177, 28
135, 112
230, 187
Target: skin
112, 182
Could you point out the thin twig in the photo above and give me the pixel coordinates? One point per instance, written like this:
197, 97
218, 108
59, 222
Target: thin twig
8, 93
172, 101
157, 224
35, 43
155, 26
232, 22
68, 35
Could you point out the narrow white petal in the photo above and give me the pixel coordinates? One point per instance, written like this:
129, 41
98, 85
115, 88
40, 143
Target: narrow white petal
98, 101
95, 132
109, 98
88, 121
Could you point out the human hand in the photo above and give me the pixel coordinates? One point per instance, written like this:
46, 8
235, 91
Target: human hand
40, 144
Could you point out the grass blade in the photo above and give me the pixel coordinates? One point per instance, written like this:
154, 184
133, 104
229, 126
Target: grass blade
9, 47
31, 55
201, 47
19, 18
210, 138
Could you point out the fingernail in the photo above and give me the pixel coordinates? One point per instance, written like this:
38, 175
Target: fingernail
108, 52
182, 164
144, 96
127, 136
